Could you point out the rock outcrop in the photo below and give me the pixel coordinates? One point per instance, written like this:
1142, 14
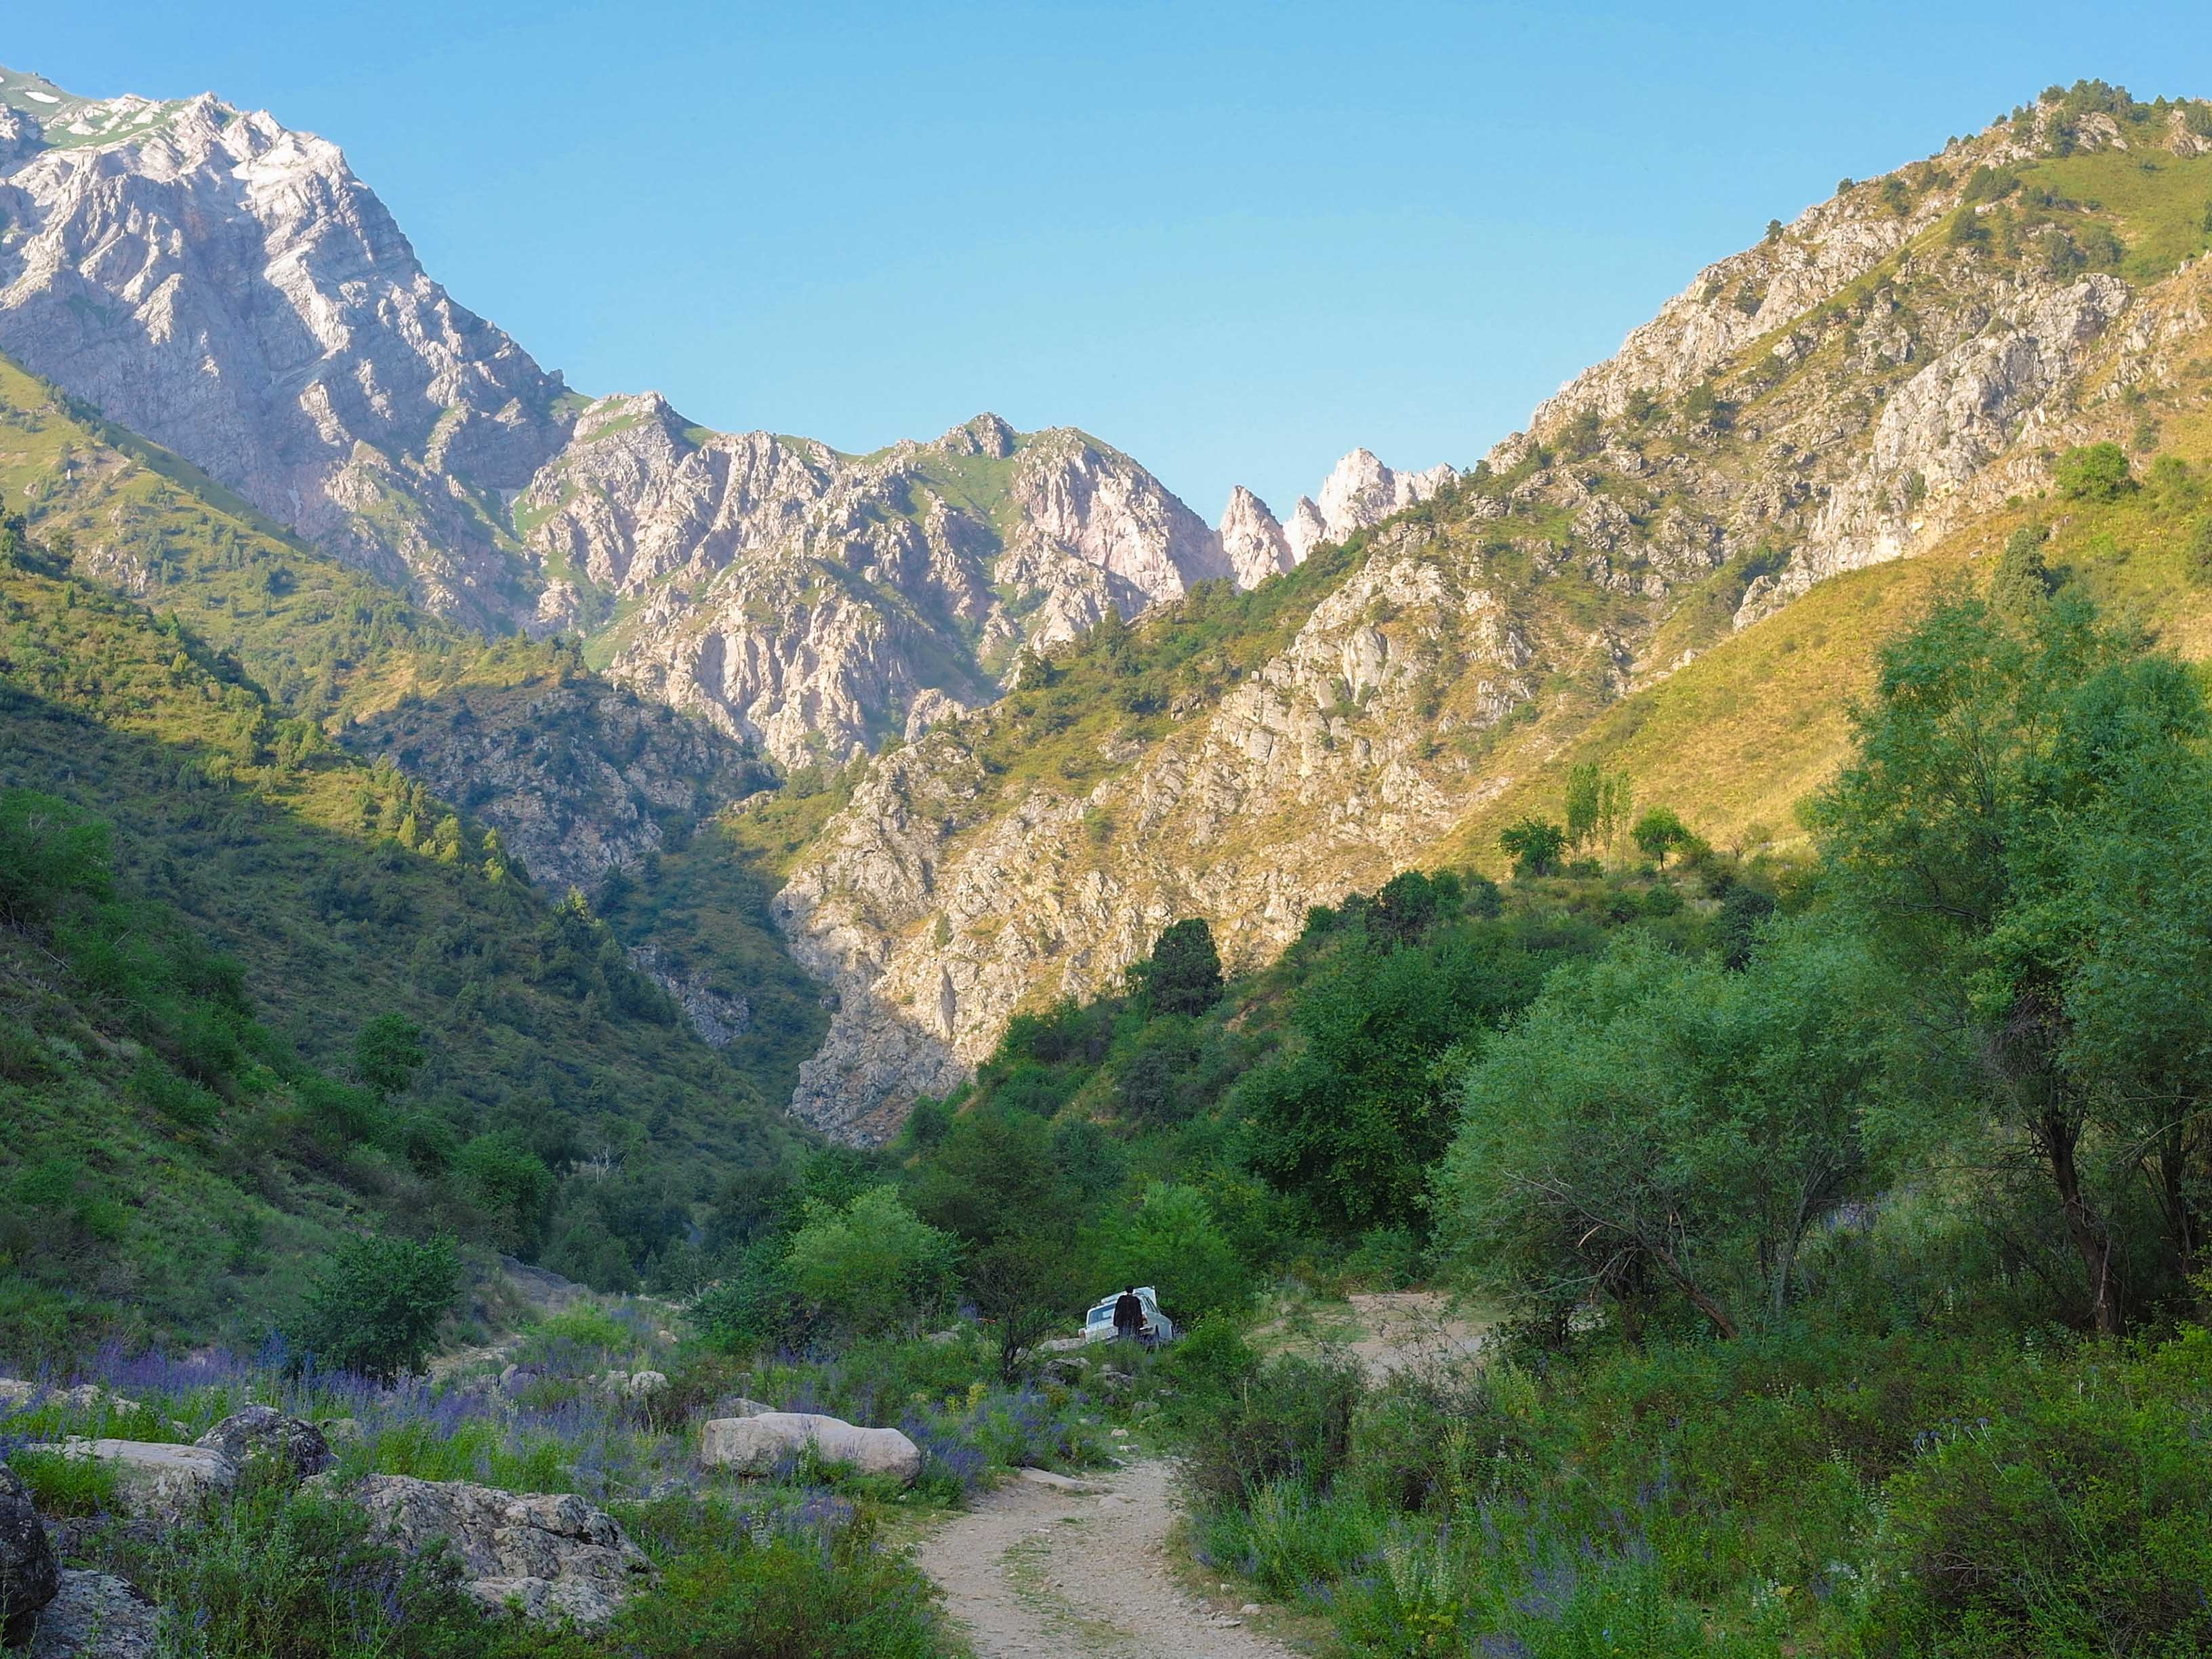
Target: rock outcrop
768, 1443
29, 1574
553, 1556
156, 1481
1252, 541
95, 1615
810, 602
578, 776
262, 1431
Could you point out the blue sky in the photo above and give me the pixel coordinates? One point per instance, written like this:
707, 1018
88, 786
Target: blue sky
1234, 240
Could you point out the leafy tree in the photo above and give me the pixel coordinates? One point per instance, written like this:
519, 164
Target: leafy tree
509, 1181
1585, 790
1183, 974
1744, 910
2024, 579
387, 1052
1411, 902
996, 1184
994, 1170
1349, 1122
751, 1304
2093, 472
1659, 832
375, 1307
1172, 1243
870, 1267
1656, 1127
2022, 831
835, 1176
1533, 845
1154, 1076
1027, 1282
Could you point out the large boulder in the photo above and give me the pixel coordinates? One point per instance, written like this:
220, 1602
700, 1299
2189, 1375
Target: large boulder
29, 1574
264, 1432
95, 1615
769, 1441
552, 1555
159, 1482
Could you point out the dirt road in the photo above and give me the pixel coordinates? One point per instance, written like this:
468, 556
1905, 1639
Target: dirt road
1041, 1569
1039, 1573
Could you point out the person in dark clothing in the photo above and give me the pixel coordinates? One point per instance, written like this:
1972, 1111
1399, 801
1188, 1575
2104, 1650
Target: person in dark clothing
1128, 1316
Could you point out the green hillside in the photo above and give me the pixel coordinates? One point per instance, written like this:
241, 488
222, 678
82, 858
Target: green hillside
561, 1108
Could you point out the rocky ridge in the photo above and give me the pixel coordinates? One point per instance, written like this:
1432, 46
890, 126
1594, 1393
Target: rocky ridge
227, 287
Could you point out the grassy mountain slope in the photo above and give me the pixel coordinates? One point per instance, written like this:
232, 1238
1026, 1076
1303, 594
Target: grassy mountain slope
563, 1107
578, 775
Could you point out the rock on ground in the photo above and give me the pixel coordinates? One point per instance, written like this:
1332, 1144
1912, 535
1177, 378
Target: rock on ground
16, 1395
553, 1555
756, 1446
29, 1574
159, 1482
264, 1431
95, 1615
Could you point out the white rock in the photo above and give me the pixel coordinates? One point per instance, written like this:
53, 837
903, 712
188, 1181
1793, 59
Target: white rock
757, 1445
158, 1482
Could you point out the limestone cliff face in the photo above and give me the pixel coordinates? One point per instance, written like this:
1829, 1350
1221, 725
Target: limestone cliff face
937, 905
1251, 540
228, 288
812, 602
577, 775
1894, 361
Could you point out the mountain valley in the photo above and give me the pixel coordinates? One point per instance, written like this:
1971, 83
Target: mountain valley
586, 1002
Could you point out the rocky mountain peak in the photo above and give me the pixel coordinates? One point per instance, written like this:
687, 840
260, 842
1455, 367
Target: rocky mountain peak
1252, 540
986, 434
228, 288
1358, 494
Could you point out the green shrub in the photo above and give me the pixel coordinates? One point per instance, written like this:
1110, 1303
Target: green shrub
775, 1595
49, 855
1173, 1243
750, 1305
2200, 548
68, 1486
179, 1100
377, 1305
872, 1267
1288, 1420
2078, 1526
2093, 472
302, 1574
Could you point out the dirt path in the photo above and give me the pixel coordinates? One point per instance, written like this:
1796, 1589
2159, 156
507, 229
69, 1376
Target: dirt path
1405, 1328
1040, 1572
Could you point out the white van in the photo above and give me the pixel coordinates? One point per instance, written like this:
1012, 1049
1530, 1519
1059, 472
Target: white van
1098, 1323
